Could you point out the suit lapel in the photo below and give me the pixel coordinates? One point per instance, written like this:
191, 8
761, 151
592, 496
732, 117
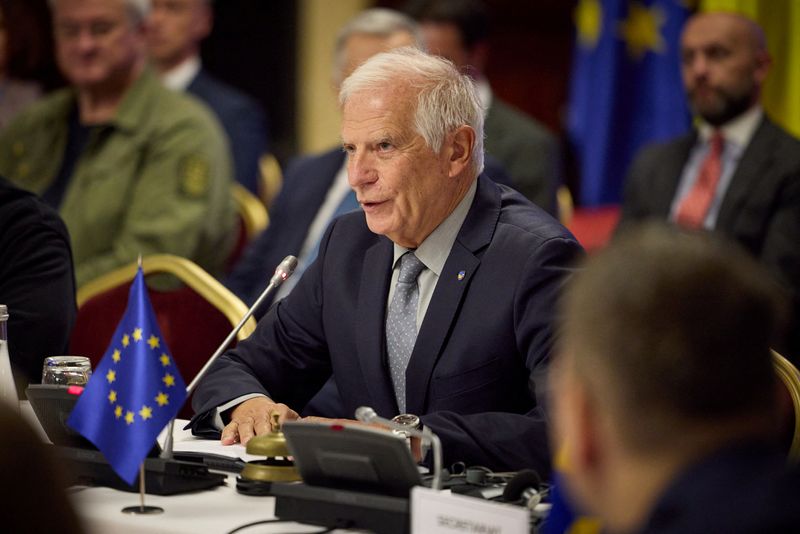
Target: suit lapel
475, 234
753, 164
370, 335
670, 175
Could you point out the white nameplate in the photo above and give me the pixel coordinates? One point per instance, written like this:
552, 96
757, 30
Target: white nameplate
436, 512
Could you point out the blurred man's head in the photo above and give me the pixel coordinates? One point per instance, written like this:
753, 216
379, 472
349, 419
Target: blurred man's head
412, 128
664, 357
724, 62
370, 32
454, 29
100, 44
175, 29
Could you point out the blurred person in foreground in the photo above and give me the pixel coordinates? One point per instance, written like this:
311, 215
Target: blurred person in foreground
664, 395
437, 299
132, 167
737, 173
175, 29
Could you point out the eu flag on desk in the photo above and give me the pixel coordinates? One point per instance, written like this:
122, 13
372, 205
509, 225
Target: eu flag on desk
134, 391
626, 88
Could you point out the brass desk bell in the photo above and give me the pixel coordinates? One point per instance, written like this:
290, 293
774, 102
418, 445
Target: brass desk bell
257, 476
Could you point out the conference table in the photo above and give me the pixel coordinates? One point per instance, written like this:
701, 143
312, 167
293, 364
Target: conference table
218, 510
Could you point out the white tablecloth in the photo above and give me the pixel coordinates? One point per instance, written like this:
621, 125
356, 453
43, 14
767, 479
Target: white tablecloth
217, 510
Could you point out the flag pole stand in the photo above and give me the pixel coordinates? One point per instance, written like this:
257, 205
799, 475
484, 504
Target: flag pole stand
142, 509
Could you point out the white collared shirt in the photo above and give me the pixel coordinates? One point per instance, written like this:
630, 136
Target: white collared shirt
179, 78
484, 94
433, 252
737, 135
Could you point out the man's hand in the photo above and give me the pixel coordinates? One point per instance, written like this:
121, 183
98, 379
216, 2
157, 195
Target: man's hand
252, 418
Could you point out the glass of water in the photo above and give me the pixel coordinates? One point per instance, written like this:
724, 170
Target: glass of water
66, 370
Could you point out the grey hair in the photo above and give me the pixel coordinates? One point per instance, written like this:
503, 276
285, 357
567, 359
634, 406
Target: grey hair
378, 22
137, 9
446, 99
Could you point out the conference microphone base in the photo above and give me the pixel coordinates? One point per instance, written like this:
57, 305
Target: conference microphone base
336, 508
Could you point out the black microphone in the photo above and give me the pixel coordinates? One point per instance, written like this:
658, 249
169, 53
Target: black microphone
524, 488
365, 414
282, 272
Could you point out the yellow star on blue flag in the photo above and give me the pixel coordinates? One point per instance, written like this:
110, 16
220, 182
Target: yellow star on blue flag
588, 21
626, 88
124, 406
641, 30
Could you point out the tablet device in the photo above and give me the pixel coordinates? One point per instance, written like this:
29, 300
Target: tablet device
52, 405
352, 457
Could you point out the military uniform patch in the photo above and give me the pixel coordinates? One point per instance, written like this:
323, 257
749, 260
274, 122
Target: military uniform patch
194, 176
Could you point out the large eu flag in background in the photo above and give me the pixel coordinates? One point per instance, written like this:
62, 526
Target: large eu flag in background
626, 89
134, 391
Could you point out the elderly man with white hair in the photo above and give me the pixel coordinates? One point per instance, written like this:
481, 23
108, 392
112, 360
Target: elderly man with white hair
132, 167
437, 300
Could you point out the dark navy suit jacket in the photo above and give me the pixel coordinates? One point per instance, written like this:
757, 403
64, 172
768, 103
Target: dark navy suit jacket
476, 375
305, 185
243, 121
745, 488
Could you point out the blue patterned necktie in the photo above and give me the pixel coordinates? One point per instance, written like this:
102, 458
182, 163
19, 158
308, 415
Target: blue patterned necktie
401, 324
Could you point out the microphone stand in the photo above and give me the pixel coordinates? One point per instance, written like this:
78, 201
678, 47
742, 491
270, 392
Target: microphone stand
436, 450
365, 414
282, 273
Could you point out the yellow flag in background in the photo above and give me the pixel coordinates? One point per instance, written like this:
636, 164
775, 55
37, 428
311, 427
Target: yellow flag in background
781, 22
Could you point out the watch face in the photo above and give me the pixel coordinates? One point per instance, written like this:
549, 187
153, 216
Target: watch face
407, 419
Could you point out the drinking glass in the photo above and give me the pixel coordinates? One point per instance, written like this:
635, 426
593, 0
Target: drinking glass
66, 370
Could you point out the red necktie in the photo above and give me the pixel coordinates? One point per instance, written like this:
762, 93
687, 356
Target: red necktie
694, 206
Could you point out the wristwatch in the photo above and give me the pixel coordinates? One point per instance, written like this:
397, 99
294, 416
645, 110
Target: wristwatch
406, 420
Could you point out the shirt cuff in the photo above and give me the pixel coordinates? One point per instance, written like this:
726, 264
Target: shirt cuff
217, 420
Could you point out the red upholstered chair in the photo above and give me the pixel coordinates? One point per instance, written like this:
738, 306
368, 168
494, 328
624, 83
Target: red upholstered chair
252, 219
195, 317
592, 227
789, 394
270, 179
